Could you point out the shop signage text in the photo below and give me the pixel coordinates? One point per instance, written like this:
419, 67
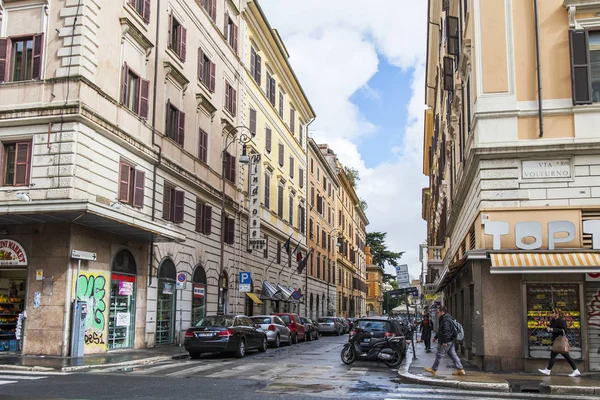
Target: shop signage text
198, 291
255, 240
558, 232
12, 253
543, 169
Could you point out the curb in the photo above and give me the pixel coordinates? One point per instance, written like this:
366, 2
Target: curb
142, 361
24, 368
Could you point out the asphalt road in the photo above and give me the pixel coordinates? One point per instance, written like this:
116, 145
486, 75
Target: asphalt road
311, 370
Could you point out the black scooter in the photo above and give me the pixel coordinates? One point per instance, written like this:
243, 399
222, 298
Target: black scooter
390, 350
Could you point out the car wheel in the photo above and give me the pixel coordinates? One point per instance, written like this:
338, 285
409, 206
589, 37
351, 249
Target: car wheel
277, 342
241, 350
194, 355
295, 339
264, 346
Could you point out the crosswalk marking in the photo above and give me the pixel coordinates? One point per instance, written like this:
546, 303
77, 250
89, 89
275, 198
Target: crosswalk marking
7, 382
272, 372
235, 371
151, 370
194, 370
448, 393
44, 373
22, 377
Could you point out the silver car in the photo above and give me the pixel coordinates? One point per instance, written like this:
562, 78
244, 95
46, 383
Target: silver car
276, 330
330, 325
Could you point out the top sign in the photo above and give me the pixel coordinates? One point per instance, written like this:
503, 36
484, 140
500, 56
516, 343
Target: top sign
83, 255
12, 253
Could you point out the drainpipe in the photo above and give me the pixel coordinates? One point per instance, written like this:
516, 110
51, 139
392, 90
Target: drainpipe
154, 144
539, 72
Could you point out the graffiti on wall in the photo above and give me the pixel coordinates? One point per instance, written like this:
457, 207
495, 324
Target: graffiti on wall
92, 287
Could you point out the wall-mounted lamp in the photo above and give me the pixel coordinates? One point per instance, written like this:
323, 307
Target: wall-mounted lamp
22, 196
116, 205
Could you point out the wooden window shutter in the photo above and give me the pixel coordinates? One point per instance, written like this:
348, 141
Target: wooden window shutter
232, 168
213, 73
291, 167
203, 150
234, 29
167, 199
38, 46
124, 84
138, 188
281, 104
253, 62
230, 230
258, 69
227, 90
580, 66
213, 9
448, 73
281, 154
207, 219
268, 86
181, 128
179, 207
3, 50
267, 191
146, 14
201, 65
280, 201
233, 101
199, 216
124, 182
452, 34
225, 30
272, 96
301, 177
170, 34
182, 43
144, 96
292, 119
253, 122
22, 163
268, 139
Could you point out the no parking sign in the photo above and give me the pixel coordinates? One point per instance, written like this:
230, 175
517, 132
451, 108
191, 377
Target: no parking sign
181, 280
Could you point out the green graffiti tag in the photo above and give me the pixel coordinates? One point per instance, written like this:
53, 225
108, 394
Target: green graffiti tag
94, 288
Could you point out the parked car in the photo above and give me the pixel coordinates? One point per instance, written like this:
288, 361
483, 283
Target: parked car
224, 333
345, 327
295, 324
381, 328
330, 325
277, 330
311, 328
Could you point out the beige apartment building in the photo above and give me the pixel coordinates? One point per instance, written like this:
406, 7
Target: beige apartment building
322, 232
121, 129
511, 151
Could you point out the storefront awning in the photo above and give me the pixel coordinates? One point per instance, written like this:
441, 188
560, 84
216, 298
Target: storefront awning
254, 298
530, 263
270, 292
286, 293
91, 214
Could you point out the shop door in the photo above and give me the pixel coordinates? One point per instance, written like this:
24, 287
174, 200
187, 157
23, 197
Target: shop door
165, 317
121, 317
592, 300
13, 283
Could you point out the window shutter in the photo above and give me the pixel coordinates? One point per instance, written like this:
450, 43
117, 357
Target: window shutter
281, 155
124, 181
301, 177
146, 14
268, 86
272, 96
268, 139
144, 94
167, 203
230, 230
291, 167
292, 119
199, 216
3, 48
281, 104
138, 189
201, 65
233, 101
580, 66
203, 150
38, 45
448, 73
258, 69
170, 40
131, 2
181, 128
22, 163
267, 191
178, 211
280, 201
253, 122
302, 222
226, 25
213, 10
452, 35
227, 102
124, 84
207, 219
235, 37
213, 73
232, 168
253, 62
301, 135
182, 43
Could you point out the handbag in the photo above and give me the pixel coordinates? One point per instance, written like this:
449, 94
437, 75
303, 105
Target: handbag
561, 344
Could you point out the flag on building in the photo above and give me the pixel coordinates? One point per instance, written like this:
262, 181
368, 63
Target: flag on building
286, 245
302, 263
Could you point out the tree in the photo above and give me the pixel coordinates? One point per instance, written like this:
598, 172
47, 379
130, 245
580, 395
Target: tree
353, 176
379, 250
363, 205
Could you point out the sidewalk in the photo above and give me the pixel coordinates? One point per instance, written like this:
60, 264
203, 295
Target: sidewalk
113, 359
412, 371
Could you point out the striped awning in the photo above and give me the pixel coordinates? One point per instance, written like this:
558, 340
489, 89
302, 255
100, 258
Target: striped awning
520, 263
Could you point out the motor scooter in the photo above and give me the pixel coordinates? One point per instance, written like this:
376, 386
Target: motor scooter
389, 349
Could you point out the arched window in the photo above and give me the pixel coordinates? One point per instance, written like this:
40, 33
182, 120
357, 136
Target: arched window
318, 306
124, 263
198, 295
167, 270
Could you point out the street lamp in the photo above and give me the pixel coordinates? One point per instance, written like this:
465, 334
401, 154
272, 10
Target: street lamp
230, 138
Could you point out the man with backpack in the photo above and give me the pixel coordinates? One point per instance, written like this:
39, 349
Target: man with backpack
449, 331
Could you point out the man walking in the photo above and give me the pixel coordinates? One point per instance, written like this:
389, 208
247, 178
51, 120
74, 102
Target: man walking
445, 338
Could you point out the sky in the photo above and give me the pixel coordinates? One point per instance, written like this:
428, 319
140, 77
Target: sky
362, 67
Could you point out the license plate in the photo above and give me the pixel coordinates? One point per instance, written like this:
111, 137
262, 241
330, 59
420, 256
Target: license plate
204, 334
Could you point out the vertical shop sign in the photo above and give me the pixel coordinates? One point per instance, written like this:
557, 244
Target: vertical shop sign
255, 240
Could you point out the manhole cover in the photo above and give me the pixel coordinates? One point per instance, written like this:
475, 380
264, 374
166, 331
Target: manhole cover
525, 386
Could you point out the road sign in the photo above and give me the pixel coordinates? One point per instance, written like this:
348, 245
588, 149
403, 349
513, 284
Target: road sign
402, 276
245, 280
83, 255
181, 277
404, 291
296, 294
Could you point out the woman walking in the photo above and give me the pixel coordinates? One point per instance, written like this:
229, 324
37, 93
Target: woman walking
426, 329
558, 327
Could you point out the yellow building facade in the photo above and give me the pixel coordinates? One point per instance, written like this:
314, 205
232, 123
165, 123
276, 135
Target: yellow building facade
375, 285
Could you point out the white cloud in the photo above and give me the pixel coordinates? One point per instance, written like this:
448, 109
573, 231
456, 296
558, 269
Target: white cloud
334, 48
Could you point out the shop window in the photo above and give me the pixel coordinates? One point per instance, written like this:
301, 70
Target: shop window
121, 323
541, 300
131, 185
21, 58
199, 295
166, 303
17, 163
